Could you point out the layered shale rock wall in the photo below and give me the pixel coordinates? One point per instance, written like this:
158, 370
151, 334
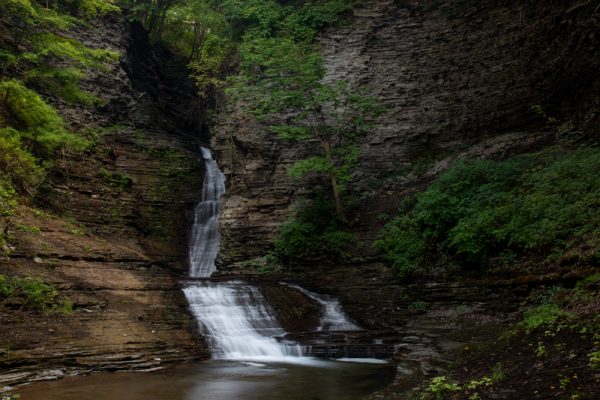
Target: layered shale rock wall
108, 229
458, 78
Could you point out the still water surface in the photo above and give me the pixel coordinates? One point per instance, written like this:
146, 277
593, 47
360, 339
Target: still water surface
224, 380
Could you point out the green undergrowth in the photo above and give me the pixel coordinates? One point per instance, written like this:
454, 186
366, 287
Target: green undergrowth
315, 232
32, 293
39, 60
478, 210
552, 352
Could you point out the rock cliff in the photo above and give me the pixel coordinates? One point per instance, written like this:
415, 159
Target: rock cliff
108, 229
458, 79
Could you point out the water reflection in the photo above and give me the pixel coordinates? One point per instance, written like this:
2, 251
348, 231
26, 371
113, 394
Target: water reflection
222, 380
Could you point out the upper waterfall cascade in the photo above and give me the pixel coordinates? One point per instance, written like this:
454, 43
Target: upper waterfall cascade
204, 239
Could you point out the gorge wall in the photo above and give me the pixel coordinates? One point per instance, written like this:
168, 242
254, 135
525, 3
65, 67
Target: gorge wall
109, 227
458, 80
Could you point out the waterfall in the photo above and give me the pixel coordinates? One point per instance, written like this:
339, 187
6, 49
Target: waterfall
233, 316
333, 317
204, 239
238, 322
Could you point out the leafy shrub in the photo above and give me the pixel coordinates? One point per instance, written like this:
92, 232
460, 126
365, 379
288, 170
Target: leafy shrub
594, 359
542, 315
8, 205
116, 180
18, 164
439, 388
314, 232
480, 208
8, 202
36, 294
304, 24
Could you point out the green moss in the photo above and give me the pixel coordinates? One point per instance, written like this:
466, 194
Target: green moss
63, 82
39, 125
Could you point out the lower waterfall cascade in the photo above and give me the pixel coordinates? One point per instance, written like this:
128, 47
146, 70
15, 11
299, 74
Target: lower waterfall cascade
237, 322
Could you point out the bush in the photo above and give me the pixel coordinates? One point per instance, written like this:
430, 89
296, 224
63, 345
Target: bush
543, 315
8, 205
439, 388
314, 232
479, 208
8, 201
35, 293
18, 165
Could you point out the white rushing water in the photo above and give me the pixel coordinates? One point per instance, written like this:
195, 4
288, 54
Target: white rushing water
234, 316
333, 317
238, 323
204, 239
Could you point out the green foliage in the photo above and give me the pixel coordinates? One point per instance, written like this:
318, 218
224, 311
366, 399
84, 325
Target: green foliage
10, 396
41, 48
8, 205
594, 359
314, 232
439, 388
8, 201
403, 245
304, 24
261, 17
50, 49
544, 315
28, 228
276, 74
279, 75
208, 71
478, 209
18, 165
116, 180
486, 381
211, 32
63, 82
91, 8
40, 127
34, 292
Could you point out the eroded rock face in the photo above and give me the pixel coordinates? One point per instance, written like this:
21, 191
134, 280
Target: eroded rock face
458, 79
108, 229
